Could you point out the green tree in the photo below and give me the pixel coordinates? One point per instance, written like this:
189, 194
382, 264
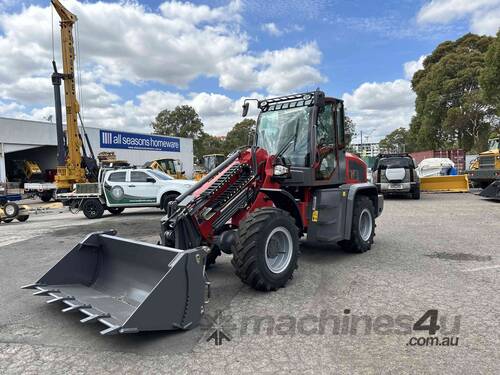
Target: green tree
490, 76
450, 112
238, 135
207, 144
349, 129
396, 141
183, 121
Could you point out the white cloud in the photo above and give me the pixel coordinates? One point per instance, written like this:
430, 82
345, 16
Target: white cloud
218, 112
126, 43
411, 67
378, 108
272, 29
484, 14
278, 71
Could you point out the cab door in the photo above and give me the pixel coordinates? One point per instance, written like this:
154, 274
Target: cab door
141, 188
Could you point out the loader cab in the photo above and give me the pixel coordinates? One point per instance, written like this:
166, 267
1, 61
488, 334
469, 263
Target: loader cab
306, 131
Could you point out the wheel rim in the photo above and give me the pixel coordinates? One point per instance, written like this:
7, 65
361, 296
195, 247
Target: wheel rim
279, 249
92, 209
365, 224
9, 210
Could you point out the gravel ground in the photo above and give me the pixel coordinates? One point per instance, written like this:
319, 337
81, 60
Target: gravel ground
341, 313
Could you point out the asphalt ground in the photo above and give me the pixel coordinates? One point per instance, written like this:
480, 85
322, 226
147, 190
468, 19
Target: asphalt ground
341, 313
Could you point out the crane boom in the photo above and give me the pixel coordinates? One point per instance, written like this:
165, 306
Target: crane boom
70, 169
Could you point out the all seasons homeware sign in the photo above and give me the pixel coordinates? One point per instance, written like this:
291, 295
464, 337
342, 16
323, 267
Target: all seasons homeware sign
133, 141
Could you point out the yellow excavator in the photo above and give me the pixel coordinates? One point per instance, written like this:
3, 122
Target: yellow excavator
74, 166
210, 162
172, 167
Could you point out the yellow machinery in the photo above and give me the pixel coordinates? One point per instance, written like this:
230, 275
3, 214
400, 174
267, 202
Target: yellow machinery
486, 168
172, 167
452, 184
210, 162
70, 169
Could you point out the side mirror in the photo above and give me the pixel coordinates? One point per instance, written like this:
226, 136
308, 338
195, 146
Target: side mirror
245, 109
151, 180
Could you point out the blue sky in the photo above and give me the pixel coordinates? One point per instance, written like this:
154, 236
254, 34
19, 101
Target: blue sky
138, 58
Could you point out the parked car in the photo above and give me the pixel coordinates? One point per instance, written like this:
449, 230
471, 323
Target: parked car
121, 188
396, 174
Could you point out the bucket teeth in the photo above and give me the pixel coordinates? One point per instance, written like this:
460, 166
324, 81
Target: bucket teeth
76, 307
110, 331
94, 317
32, 286
57, 299
46, 292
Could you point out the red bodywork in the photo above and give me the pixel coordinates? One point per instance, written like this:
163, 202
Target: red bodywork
204, 218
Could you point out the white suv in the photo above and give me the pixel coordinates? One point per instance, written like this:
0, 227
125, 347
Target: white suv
141, 187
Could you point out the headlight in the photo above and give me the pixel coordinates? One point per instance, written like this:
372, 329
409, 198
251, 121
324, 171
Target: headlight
280, 170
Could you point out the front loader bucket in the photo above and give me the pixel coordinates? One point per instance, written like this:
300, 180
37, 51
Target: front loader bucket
491, 191
452, 184
128, 286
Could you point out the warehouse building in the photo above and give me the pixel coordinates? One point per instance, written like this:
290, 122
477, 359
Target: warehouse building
37, 141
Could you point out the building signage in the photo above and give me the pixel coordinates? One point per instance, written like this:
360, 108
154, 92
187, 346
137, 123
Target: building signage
134, 141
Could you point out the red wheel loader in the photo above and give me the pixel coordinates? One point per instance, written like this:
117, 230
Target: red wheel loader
296, 180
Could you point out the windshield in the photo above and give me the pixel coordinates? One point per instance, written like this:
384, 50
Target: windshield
161, 175
493, 144
286, 130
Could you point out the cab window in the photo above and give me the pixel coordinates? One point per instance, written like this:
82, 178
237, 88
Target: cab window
325, 143
138, 176
117, 176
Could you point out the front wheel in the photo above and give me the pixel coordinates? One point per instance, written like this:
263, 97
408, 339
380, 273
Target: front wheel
166, 198
11, 210
362, 228
93, 208
266, 249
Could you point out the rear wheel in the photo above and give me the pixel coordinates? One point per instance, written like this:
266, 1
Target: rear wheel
23, 218
8, 220
115, 210
266, 250
11, 210
46, 196
166, 198
416, 193
93, 208
363, 226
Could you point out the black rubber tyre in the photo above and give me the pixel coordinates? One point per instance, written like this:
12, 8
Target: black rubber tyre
362, 205
11, 210
167, 198
212, 256
250, 252
46, 196
484, 184
416, 194
22, 218
8, 220
93, 208
115, 210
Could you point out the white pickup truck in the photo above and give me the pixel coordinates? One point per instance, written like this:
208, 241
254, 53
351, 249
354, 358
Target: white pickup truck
118, 189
